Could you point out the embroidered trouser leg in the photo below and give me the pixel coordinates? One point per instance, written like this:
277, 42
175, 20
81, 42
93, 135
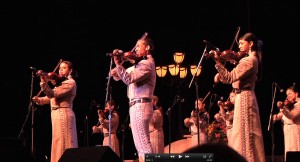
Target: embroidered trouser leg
140, 116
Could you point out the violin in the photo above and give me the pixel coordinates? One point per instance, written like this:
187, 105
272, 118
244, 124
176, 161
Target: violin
227, 105
229, 55
132, 56
52, 76
104, 113
128, 56
289, 104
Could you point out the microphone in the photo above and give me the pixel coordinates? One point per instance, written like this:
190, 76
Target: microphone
211, 45
217, 97
277, 86
32, 68
94, 103
179, 99
119, 52
182, 100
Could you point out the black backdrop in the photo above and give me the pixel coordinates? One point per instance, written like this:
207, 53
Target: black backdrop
40, 33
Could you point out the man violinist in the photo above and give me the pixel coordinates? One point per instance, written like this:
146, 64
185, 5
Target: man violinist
140, 80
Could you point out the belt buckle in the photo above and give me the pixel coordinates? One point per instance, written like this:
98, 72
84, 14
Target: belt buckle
139, 100
134, 101
237, 90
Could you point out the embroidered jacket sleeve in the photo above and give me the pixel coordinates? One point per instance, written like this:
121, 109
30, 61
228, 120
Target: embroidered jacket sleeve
115, 75
143, 70
61, 96
140, 78
43, 100
243, 75
67, 88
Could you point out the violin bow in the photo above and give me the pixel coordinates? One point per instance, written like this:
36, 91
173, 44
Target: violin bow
235, 37
143, 37
206, 96
53, 71
234, 40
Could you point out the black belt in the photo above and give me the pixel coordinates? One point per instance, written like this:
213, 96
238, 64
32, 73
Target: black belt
139, 100
236, 90
55, 108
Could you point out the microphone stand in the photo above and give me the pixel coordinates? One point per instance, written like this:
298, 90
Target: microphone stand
123, 128
176, 100
197, 110
31, 109
108, 93
198, 113
86, 139
197, 95
270, 126
211, 102
203, 54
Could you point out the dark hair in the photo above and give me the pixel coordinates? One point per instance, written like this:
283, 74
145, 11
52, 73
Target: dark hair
112, 103
294, 87
221, 152
74, 73
250, 37
257, 46
148, 41
70, 64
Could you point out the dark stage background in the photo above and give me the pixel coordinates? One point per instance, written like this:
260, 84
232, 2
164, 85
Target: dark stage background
40, 33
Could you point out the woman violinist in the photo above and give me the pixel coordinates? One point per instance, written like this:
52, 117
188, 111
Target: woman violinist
226, 115
289, 115
104, 126
246, 128
199, 113
63, 119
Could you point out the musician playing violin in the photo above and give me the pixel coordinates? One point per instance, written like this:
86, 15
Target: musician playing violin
246, 130
103, 125
226, 115
289, 115
54, 78
200, 126
63, 120
140, 79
